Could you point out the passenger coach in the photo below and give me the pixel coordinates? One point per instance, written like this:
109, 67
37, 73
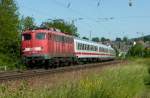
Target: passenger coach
89, 49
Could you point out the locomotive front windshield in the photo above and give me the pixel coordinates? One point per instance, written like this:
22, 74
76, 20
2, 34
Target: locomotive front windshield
26, 37
40, 36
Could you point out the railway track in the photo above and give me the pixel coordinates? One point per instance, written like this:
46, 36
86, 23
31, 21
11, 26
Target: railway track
16, 75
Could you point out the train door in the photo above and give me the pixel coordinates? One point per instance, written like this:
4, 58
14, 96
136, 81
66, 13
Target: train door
63, 45
50, 43
59, 47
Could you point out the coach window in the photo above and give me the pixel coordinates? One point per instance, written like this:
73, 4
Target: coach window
88, 46
60, 38
70, 40
63, 39
26, 37
104, 49
66, 39
81, 46
56, 38
99, 49
84, 47
96, 48
40, 36
91, 47
78, 47
49, 36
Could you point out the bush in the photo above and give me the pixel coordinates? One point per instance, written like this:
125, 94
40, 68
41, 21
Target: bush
147, 52
138, 50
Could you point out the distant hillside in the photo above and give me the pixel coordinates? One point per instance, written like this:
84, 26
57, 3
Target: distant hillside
145, 38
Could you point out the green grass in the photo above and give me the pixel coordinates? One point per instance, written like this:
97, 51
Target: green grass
126, 81
10, 63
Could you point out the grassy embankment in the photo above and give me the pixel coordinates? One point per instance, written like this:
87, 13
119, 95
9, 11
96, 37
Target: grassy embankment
10, 63
125, 81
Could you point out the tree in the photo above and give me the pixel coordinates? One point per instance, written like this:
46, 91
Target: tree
9, 24
9, 20
85, 38
136, 50
118, 39
95, 39
103, 39
65, 27
27, 23
147, 52
146, 38
125, 39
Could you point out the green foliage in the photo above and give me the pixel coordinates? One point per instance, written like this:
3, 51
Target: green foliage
66, 27
125, 39
144, 38
85, 38
116, 51
118, 39
8, 19
136, 50
104, 39
95, 39
113, 82
147, 52
27, 23
9, 24
147, 78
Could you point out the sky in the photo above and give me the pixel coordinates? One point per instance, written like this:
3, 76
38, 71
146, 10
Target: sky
98, 18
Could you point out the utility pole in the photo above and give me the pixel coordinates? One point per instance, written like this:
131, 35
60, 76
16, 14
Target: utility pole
143, 36
130, 3
90, 38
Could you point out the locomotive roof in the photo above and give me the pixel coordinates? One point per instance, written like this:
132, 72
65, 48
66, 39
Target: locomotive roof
46, 31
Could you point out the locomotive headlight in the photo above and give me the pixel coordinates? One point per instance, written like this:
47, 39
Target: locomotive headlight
38, 48
27, 49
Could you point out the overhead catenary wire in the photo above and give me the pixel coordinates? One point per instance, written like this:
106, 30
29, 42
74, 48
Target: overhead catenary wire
98, 3
82, 16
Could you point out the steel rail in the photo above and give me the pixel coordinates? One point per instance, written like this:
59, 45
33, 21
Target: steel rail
14, 75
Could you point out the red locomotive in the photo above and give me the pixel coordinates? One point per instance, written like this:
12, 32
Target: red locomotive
50, 47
